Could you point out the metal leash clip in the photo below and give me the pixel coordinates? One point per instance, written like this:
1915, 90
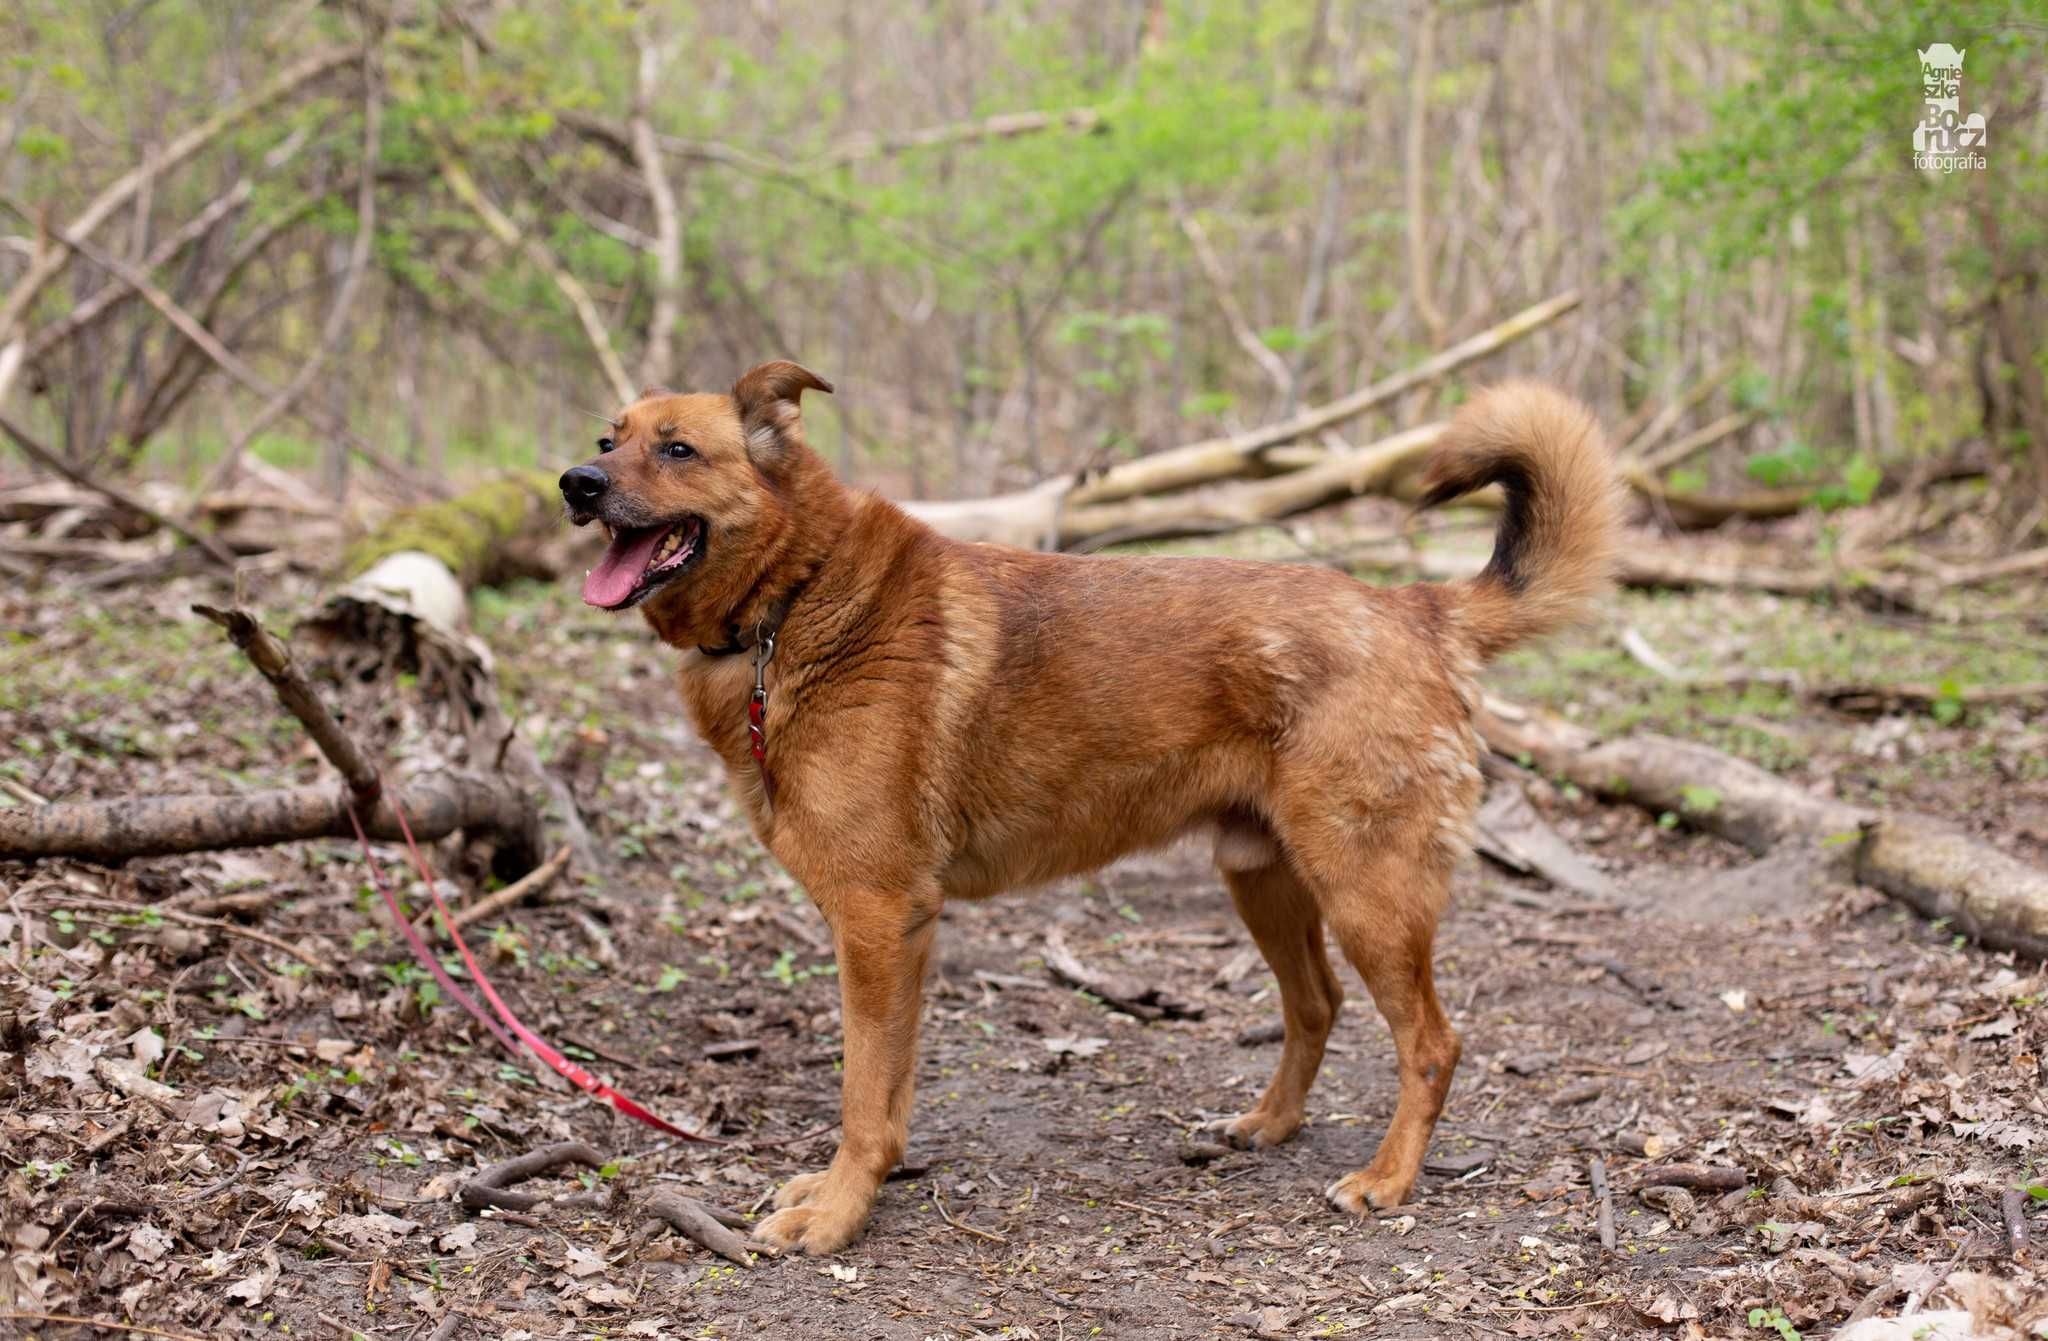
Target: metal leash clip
757, 704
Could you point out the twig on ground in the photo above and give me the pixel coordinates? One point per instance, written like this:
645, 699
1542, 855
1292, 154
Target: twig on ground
797, 1139
530, 885
103, 1324
602, 948
707, 1226
1597, 1173
491, 1187
21, 793
947, 1216
1147, 1003
146, 910
2013, 1206
1698, 1177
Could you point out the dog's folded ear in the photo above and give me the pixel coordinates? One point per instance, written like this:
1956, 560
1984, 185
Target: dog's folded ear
767, 399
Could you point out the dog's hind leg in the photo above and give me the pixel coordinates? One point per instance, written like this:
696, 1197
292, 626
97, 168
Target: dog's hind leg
1283, 919
1383, 915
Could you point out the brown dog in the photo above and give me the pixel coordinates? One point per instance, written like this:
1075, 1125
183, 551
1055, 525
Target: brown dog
945, 720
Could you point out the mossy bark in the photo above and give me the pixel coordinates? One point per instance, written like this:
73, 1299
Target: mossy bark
484, 535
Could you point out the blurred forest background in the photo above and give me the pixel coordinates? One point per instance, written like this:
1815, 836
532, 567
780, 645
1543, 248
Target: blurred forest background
1020, 238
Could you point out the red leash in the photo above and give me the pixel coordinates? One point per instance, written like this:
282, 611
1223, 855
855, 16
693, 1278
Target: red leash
576, 1075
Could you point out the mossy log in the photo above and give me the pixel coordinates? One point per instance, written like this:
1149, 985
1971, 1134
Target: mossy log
484, 536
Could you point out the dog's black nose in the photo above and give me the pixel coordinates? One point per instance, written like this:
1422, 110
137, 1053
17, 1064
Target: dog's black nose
584, 485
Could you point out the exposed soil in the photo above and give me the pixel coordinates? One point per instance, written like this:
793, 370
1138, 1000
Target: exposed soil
1876, 1084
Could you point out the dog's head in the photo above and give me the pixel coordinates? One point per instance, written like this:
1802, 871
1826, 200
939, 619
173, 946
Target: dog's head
681, 482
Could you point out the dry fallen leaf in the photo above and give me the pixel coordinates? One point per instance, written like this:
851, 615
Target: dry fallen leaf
460, 1240
253, 1289
375, 1230
2002, 1027
148, 1243
583, 1262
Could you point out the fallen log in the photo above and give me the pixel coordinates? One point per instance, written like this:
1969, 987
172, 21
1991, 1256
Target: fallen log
1041, 517
1908, 696
42, 455
1647, 567
405, 609
1366, 470
1641, 566
1924, 863
1220, 458
1982, 892
436, 804
1697, 512
480, 536
1711, 790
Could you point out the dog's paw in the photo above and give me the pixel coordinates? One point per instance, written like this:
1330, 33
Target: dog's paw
1255, 1130
1364, 1192
799, 1190
814, 1229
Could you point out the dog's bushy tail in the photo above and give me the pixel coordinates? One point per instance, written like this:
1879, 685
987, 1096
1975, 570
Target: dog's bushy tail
1554, 551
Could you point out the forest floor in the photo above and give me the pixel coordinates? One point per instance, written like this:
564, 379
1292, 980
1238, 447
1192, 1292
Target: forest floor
1877, 1080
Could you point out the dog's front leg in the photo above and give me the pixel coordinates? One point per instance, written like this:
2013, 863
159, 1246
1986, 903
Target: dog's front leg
883, 942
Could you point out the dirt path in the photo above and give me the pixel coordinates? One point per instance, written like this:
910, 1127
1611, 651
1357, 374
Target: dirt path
1876, 1084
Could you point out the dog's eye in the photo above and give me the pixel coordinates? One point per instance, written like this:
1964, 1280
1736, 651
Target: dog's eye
604, 444
678, 451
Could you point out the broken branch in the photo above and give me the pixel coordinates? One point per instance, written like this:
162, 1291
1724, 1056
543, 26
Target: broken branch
271, 659
511, 896
42, 455
183, 918
492, 1187
1221, 457
1145, 1002
707, 1227
436, 804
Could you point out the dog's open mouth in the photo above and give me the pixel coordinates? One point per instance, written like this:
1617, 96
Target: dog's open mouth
640, 559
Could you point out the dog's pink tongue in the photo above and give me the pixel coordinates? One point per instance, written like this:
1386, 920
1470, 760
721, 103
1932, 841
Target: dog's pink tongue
613, 579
